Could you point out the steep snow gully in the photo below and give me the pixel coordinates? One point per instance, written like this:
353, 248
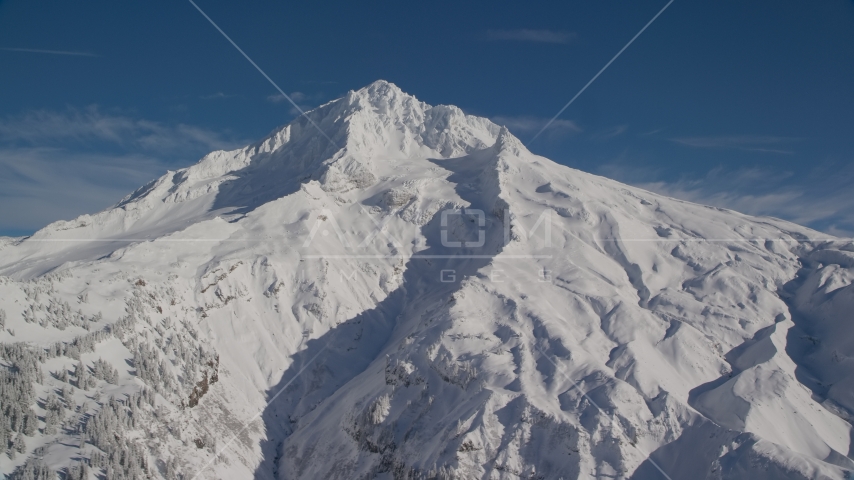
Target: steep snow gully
430, 280
421, 298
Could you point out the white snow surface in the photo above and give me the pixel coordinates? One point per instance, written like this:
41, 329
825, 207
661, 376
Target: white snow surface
422, 297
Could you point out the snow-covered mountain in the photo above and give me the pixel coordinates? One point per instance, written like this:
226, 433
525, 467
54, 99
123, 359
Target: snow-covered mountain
414, 294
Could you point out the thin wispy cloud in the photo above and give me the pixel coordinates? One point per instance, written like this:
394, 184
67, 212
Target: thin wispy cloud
828, 211
90, 125
295, 96
752, 143
59, 164
320, 82
525, 124
608, 133
651, 132
530, 35
50, 52
306, 101
278, 98
216, 96
822, 205
41, 185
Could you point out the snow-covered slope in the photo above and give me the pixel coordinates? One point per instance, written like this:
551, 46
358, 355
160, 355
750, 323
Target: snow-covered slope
413, 294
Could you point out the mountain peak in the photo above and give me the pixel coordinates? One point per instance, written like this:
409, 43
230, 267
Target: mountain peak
507, 142
382, 119
383, 96
382, 88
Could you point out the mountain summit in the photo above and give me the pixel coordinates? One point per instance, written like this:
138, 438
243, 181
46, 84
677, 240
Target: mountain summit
389, 289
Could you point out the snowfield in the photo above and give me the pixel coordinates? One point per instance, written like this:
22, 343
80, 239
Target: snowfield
421, 297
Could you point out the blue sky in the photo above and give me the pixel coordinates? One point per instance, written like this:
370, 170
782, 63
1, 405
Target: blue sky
745, 105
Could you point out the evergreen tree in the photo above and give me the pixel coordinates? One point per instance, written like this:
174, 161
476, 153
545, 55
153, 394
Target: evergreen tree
50, 422
67, 396
5, 434
82, 377
34, 469
77, 472
30, 423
